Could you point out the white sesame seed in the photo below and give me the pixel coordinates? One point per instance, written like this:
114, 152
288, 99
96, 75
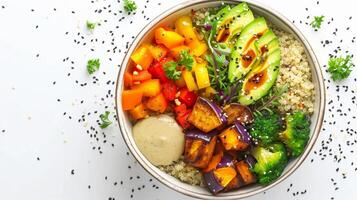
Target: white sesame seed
136, 82
177, 102
135, 73
139, 67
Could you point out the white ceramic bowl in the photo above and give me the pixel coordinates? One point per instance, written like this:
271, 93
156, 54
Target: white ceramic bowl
169, 16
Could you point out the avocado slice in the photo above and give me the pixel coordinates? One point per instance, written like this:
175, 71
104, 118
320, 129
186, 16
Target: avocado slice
268, 42
245, 53
232, 21
259, 81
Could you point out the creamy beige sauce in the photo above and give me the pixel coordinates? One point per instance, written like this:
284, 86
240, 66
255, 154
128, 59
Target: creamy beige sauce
160, 139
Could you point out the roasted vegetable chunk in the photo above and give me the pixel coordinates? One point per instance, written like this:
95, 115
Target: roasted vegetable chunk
245, 173
235, 138
198, 153
238, 112
206, 115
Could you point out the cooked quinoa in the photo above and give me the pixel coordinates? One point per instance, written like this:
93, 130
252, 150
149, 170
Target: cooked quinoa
296, 72
184, 172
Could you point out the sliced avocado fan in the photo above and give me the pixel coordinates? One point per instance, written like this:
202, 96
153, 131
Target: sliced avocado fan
231, 21
245, 54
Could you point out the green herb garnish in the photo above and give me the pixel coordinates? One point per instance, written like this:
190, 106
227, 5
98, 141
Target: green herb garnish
129, 5
340, 68
90, 25
271, 100
316, 23
105, 121
171, 71
93, 65
186, 60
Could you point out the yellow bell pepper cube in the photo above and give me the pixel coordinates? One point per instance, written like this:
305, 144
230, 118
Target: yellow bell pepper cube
189, 80
142, 57
197, 47
184, 27
157, 51
170, 39
202, 76
175, 52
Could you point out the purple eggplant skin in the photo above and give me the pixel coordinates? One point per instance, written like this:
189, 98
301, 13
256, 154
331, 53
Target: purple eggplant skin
212, 183
198, 134
226, 161
218, 110
245, 136
251, 161
236, 111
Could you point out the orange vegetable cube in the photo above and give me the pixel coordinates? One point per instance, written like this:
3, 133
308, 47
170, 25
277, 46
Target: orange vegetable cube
142, 57
131, 98
225, 175
197, 47
158, 51
244, 171
149, 88
199, 153
138, 112
231, 139
170, 39
157, 103
128, 79
175, 52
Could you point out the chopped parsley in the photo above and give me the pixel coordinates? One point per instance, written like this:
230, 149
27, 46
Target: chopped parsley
93, 65
171, 71
90, 25
129, 5
105, 121
340, 68
186, 60
316, 23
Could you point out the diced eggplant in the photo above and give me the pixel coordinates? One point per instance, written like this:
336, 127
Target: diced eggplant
238, 112
198, 153
225, 175
226, 161
235, 137
212, 183
206, 115
244, 170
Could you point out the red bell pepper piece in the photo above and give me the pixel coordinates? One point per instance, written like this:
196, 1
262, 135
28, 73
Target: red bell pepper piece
181, 109
182, 119
187, 97
157, 69
169, 90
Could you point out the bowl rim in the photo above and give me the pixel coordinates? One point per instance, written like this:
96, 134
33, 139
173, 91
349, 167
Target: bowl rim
319, 111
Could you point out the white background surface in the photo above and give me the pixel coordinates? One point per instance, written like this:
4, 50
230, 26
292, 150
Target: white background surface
40, 146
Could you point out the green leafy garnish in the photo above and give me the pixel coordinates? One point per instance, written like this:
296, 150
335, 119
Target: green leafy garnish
129, 5
171, 71
186, 60
90, 25
340, 68
271, 100
316, 23
105, 121
93, 65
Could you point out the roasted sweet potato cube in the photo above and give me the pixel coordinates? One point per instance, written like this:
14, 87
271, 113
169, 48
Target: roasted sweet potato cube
225, 175
235, 183
243, 170
238, 112
199, 153
231, 139
204, 117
